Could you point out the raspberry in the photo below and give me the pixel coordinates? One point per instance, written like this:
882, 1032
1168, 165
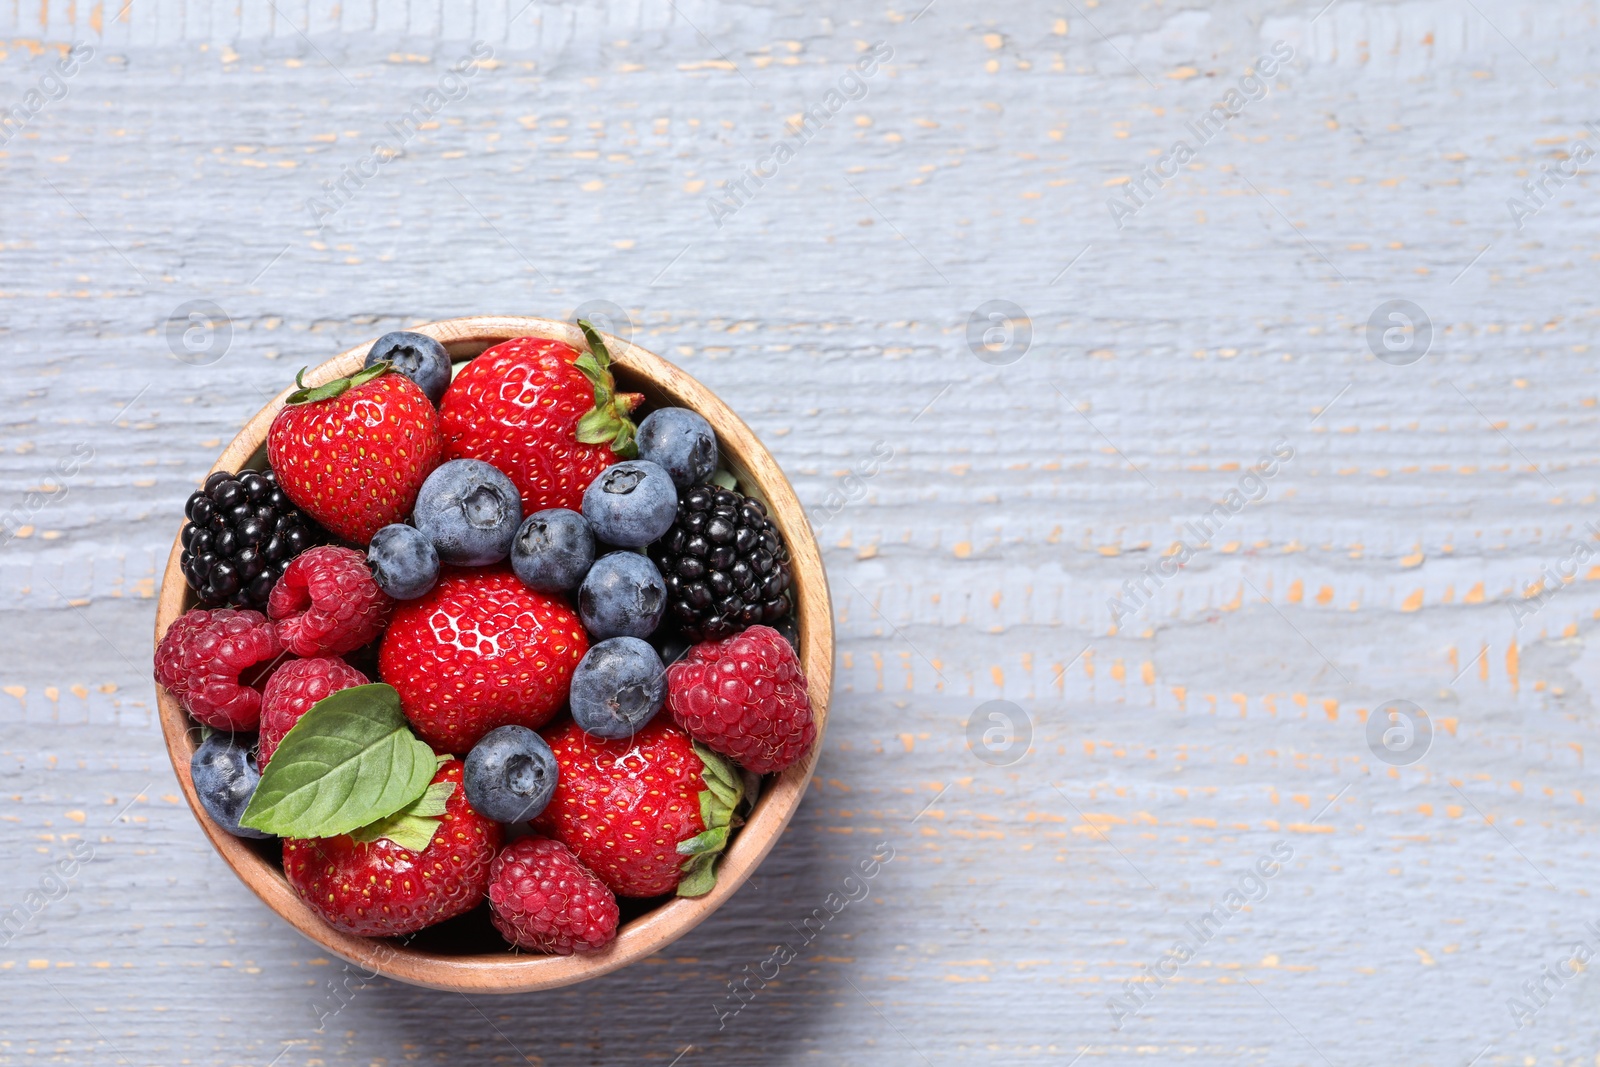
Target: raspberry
745, 697
201, 657
327, 604
543, 899
291, 691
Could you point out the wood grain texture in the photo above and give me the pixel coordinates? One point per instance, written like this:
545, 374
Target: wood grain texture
831, 312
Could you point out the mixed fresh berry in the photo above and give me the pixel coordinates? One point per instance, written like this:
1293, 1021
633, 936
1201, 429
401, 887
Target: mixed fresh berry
293, 689
353, 453
744, 697
480, 650
240, 534
623, 595
542, 412
379, 887
225, 778
725, 564
631, 809
457, 605
544, 900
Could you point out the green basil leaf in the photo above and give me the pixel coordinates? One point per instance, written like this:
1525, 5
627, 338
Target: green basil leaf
350, 760
414, 825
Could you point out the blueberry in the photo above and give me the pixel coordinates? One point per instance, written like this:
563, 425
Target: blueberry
553, 550
680, 441
403, 561
618, 686
225, 776
622, 596
631, 503
510, 775
470, 511
418, 357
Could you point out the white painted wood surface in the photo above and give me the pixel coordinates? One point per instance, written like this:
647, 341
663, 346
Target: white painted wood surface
831, 310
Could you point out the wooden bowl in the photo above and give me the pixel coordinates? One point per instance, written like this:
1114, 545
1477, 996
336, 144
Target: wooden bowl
460, 955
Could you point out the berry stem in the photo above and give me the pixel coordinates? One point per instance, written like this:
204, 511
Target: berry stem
719, 803
310, 394
607, 422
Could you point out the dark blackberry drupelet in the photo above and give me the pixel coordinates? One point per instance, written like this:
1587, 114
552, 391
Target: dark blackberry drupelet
724, 563
241, 534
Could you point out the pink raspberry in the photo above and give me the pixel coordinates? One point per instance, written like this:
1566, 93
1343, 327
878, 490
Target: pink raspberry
291, 691
327, 603
745, 697
201, 657
543, 899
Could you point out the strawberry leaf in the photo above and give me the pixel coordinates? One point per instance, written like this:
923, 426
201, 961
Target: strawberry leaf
719, 803
310, 394
607, 422
351, 760
414, 825
597, 427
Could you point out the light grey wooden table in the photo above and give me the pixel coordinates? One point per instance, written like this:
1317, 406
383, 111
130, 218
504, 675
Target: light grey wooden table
985, 487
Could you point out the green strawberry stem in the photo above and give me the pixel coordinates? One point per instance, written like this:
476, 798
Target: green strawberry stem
310, 394
607, 422
719, 804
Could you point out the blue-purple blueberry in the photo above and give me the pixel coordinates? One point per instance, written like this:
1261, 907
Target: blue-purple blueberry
681, 442
510, 775
417, 356
631, 503
470, 511
403, 561
553, 550
618, 686
623, 595
224, 772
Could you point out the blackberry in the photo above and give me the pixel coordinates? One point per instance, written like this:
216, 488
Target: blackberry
241, 534
724, 563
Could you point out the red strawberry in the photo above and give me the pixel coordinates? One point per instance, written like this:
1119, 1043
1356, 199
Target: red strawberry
383, 889
353, 453
291, 691
544, 899
201, 657
480, 650
745, 697
546, 415
327, 603
648, 814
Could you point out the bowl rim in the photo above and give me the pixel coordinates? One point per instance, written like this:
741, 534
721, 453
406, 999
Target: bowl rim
512, 972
